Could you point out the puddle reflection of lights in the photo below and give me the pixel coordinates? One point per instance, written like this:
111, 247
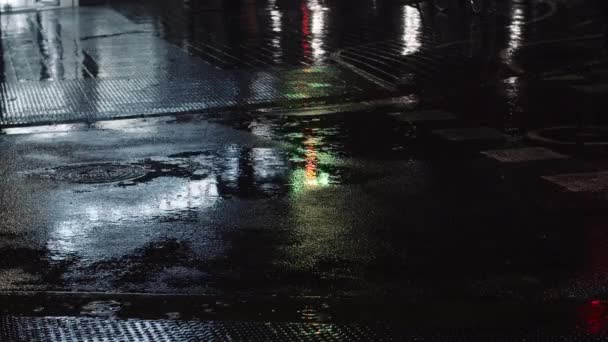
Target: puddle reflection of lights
317, 15
593, 317
412, 30
516, 32
16, 4
516, 29
130, 125
267, 163
196, 194
67, 236
276, 17
16, 23
50, 45
232, 168
310, 177
36, 130
276, 22
311, 163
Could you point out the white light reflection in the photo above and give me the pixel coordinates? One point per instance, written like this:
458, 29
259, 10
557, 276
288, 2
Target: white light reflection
50, 129
50, 45
146, 126
412, 30
318, 18
512, 85
268, 164
93, 221
276, 18
15, 23
16, 4
516, 28
194, 195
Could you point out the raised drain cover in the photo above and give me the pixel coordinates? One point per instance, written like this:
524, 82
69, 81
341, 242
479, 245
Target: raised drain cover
97, 173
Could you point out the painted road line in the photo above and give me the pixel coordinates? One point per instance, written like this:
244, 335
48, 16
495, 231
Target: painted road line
593, 89
525, 154
588, 182
566, 78
457, 135
424, 116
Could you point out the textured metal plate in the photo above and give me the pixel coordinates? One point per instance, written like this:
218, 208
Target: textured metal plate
117, 69
66, 329
83, 100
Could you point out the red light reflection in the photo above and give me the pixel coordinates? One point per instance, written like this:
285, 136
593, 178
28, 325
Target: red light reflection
593, 317
305, 29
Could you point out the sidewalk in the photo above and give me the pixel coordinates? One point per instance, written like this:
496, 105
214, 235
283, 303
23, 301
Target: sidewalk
89, 64
132, 59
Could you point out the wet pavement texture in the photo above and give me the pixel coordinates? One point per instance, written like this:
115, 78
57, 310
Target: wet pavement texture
287, 207
73, 329
354, 161
157, 57
93, 63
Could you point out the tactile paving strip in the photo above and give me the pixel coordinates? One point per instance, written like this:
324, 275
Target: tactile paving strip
67, 329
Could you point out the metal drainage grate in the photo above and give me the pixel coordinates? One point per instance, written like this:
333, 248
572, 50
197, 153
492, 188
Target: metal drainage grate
49, 329
97, 173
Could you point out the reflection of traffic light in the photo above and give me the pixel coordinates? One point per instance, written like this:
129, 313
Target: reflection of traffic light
310, 176
593, 317
305, 29
311, 161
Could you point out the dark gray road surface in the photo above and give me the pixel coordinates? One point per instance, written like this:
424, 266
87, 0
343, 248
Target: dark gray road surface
418, 205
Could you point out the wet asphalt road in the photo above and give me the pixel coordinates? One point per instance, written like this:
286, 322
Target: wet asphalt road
288, 207
241, 202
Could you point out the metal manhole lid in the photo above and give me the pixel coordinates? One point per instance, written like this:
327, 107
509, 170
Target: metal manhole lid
97, 173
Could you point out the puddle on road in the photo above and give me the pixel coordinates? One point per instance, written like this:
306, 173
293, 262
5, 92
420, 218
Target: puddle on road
101, 309
96, 173
236, 172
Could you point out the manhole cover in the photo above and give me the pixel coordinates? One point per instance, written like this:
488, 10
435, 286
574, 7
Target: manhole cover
98, 173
